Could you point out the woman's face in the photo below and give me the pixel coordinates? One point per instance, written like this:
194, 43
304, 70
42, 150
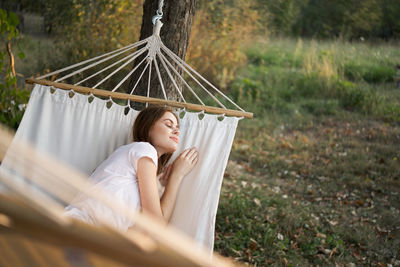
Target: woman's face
164, 134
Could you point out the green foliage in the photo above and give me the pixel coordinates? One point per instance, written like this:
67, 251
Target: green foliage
247, 91
371, 73
390, 19
321, 107
317, 78
274, 56
360, 98
57, 14
84, 29
391, 111
352, 98
308, 86
8, 24
12, 104
229, 26
12, 100
348, 19
281, 16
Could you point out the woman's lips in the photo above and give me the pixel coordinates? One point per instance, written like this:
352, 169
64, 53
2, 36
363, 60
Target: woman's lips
175, 139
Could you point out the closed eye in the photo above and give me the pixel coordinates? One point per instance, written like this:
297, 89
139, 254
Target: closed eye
169, 124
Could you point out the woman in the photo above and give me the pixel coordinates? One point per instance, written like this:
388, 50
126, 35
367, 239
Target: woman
129, 174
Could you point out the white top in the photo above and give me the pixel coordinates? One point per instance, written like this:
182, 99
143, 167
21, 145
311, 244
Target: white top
117, 176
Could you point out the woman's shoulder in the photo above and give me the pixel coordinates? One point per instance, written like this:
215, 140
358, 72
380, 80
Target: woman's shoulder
141, 145
143, 149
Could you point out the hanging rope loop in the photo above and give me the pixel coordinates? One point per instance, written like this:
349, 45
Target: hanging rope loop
160, 6
159, 12
155, 18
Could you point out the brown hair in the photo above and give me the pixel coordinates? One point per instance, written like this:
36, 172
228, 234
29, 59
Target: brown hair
143, 124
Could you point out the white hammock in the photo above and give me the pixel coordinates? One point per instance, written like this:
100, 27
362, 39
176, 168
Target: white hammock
83, 134
82, 130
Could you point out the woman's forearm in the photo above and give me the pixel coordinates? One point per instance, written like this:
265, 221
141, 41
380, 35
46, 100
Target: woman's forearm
168, 199
182, 165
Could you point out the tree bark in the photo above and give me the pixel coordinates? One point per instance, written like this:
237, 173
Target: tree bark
177, 23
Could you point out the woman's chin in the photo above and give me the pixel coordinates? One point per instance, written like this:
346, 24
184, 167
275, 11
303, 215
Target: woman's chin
174, 148
169, 148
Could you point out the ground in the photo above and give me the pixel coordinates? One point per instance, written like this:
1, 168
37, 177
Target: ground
322, 193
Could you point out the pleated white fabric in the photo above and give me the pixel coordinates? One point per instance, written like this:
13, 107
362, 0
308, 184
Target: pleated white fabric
83, 134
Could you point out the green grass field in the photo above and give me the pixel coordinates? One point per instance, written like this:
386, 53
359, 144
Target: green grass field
313, 179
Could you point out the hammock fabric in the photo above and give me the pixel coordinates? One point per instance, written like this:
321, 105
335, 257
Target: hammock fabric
82, 131
32, 216
67, 120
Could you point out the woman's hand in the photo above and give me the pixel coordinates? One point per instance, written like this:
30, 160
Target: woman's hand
184, 163
164, 176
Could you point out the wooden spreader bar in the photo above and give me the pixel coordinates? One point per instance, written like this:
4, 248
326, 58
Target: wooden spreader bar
142, 99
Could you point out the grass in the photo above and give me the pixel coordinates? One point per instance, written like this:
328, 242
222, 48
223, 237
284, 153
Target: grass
316, 194
288, 76
314, 178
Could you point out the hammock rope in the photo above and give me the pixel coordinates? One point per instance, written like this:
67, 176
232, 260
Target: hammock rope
168, 67
159, 12
128, 47
127, 76
132, 57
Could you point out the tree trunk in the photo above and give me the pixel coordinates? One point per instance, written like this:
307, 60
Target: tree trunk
177, 22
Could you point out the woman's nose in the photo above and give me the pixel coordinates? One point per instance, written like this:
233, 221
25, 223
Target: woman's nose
176, 131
